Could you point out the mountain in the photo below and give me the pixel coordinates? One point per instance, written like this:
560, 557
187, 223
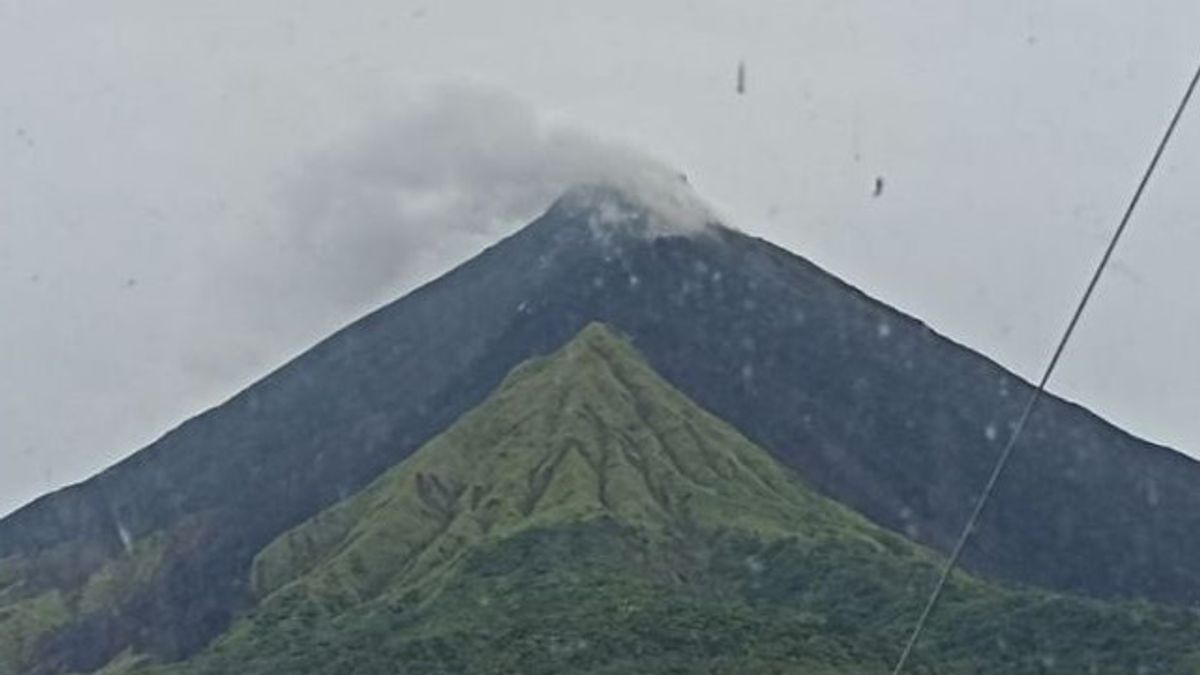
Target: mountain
589, 518
871, 406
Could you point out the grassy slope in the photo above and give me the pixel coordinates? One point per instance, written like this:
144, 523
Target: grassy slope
588, 518
27, 615
591, 432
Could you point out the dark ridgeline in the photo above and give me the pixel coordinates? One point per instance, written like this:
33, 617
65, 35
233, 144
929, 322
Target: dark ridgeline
870, 405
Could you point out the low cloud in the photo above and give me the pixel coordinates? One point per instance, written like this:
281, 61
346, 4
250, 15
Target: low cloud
404, 199
455, 170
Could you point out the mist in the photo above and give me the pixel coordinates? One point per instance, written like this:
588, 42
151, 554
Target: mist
412, 192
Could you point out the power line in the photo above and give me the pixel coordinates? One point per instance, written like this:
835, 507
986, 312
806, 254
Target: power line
1007, 452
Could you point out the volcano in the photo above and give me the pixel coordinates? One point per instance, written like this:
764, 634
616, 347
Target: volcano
163, 552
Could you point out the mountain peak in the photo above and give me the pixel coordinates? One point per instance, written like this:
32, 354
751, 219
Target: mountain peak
599, 339
650, 203
596, 349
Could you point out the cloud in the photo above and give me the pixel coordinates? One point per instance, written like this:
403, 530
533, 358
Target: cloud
405, 198
453, 171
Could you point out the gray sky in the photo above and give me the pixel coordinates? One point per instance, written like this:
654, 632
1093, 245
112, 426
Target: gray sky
192, 193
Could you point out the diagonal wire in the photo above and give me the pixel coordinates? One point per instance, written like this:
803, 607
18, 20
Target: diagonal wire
1007, 452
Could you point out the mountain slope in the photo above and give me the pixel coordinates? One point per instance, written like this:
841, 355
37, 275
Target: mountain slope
590, 433
872, 406
589, 518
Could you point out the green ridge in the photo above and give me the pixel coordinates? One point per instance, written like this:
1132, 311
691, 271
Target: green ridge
591, 432
588, 518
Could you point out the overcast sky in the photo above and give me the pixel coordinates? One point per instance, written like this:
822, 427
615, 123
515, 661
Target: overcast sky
192, 193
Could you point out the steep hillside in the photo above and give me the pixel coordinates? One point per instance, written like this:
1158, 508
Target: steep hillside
873, 407
587, 434
588, 518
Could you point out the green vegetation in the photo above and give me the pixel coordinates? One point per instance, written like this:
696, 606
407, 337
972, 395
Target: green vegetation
12, 570
587, 518
592, 432
123, 576
125, 662
23, 623
600, 597
30, 615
